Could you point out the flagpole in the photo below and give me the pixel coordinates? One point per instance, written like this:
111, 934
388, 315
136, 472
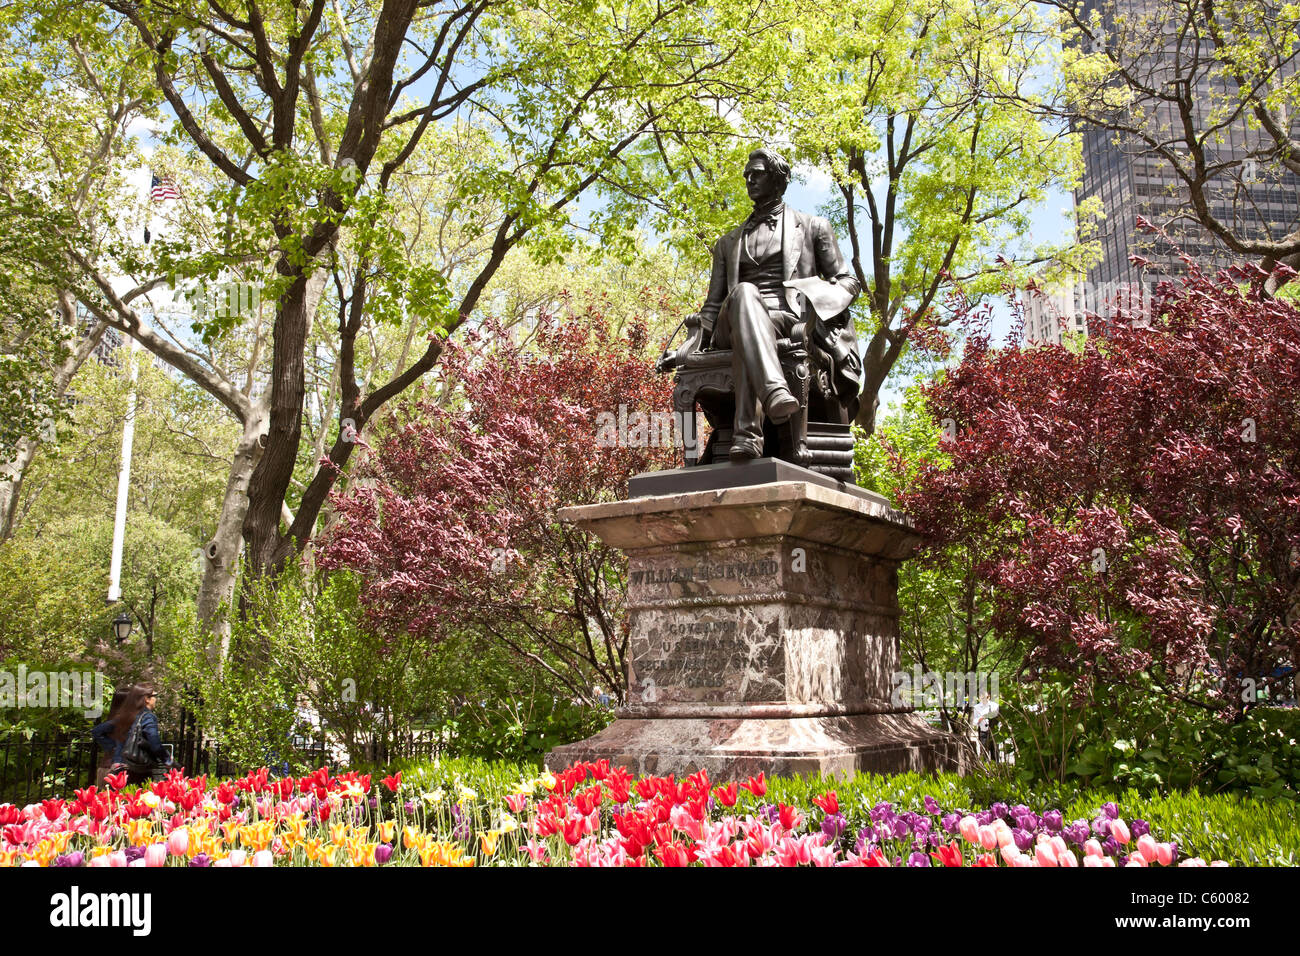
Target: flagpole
123, 482
128, 441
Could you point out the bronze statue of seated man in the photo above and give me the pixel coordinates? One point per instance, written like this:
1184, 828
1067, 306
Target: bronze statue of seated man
763, 271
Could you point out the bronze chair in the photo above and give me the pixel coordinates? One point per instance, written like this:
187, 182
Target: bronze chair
817, 437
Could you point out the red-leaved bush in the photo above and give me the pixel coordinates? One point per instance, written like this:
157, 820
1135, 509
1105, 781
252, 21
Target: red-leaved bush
451, 518
1135, 501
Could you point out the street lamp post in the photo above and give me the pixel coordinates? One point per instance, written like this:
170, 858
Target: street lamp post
122, 625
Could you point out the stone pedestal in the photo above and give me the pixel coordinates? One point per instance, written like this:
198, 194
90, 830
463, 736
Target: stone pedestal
764, 631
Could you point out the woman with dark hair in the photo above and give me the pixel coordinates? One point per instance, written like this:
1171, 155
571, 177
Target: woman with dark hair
138, 708
110, 745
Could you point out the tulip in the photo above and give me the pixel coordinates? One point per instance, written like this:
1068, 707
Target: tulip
117, 858
178, 841
1091, 860
1119, 830
263, 858
988, 837
1164, 853
155, 854
237, 857
969, 829
383, 853
100, 861
1045, 854
1147, 848
1093, 848
1067, 858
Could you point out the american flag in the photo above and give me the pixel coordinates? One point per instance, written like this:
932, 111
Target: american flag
161, 190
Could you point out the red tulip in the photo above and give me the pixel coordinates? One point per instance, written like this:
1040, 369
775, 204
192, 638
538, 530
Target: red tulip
727, 795
950, 855
573, 828
829, 803
116, 780
394, 783
755, 785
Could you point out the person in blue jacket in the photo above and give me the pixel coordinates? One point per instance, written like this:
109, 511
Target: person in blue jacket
139, 705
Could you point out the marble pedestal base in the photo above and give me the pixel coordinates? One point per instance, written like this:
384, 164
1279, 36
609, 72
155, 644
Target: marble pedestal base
764, 634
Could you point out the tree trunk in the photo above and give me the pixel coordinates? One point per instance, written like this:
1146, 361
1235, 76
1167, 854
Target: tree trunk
272, 474
221, 554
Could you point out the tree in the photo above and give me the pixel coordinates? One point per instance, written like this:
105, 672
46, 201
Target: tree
1134, 501
1210, 90
565, 92
451, 519
66, 149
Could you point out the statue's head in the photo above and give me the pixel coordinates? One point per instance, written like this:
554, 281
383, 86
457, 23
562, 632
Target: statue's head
767, 175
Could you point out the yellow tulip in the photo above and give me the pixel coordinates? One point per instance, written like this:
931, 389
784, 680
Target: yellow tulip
386, 831
488, 841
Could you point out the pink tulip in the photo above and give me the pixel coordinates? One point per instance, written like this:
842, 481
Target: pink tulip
224, 861
117, 858
969, 830
1005, 835
1119, 830
1093, 848
1009, 853
99, 861
237, 857
1066, 858
1058, 845
1090, 860
1165, 853
1044, 854
263, 858
1023, 860
1147, 847
988, 838
1108, 861
1219, 863
140, 862
178, 841
1194, 861
155, 854
1135, 860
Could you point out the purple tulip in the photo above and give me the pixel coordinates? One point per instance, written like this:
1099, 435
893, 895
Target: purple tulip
901, 829
134, 853
999, 810
918, 859
1110, 809
833, 825
1077, 832
1024, 839
1110, 847
1053, 820
410, 807
383, 853
949, 822
75, 858
932, 806
201, 859
1139, 828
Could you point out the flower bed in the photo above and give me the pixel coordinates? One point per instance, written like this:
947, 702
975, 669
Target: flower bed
588, 815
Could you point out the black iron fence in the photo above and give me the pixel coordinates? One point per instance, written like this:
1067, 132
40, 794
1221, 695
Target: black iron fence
38, 768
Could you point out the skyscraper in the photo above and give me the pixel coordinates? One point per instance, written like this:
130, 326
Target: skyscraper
1167, 50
